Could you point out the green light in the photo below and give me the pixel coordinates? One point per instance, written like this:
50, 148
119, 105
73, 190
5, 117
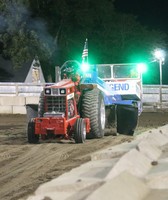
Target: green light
141, 67
85, 67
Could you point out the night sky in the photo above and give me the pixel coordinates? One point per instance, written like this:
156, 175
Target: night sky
154, 15
151, 13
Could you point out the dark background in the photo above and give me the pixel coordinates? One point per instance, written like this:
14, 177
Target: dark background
154, 15
118, 31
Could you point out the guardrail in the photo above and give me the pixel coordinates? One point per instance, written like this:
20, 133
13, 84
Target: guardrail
20, 89
154, 97
14, 97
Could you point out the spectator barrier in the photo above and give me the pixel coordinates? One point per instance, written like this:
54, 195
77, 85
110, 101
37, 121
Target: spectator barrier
15, 96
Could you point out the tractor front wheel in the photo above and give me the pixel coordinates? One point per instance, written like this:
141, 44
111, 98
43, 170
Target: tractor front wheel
80, 131
32, 137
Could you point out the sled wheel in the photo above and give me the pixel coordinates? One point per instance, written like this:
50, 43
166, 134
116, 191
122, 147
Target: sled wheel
80, 131
127, 119
32, 137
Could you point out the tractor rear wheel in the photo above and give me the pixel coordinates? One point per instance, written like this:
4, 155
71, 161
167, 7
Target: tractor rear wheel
31, 111
41, 105
32, 137
127, 119
93, 107
80, 131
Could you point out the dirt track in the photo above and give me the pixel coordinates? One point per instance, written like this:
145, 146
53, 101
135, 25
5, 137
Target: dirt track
23, 166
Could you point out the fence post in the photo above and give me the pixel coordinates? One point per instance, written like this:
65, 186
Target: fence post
17, 89
160, 95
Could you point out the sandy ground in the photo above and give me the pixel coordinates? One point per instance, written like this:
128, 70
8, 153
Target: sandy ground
23, 166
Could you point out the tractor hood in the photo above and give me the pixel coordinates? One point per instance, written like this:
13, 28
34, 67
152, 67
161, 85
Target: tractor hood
65, 83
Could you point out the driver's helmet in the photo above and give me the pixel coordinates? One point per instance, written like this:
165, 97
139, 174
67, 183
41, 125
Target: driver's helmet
70, 68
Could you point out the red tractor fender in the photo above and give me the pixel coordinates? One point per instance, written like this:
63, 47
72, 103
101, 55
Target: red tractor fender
87, 121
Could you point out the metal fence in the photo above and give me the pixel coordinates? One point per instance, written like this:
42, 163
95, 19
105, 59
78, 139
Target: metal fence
20, 89
154, 96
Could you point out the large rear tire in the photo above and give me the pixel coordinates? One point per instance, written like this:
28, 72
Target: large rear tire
80, 131
127, 119
92, 107
41, 105
31, 111
32, 137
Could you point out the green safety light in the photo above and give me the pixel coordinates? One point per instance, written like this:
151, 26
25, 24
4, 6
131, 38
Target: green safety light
85, 67
141, 67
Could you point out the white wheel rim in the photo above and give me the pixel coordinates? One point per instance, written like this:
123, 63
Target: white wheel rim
84, 132
102, 110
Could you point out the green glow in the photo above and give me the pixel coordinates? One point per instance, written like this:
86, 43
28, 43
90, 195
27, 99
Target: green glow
142, 68
85, 67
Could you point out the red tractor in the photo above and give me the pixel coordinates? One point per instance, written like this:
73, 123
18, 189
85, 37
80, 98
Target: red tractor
58, 115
